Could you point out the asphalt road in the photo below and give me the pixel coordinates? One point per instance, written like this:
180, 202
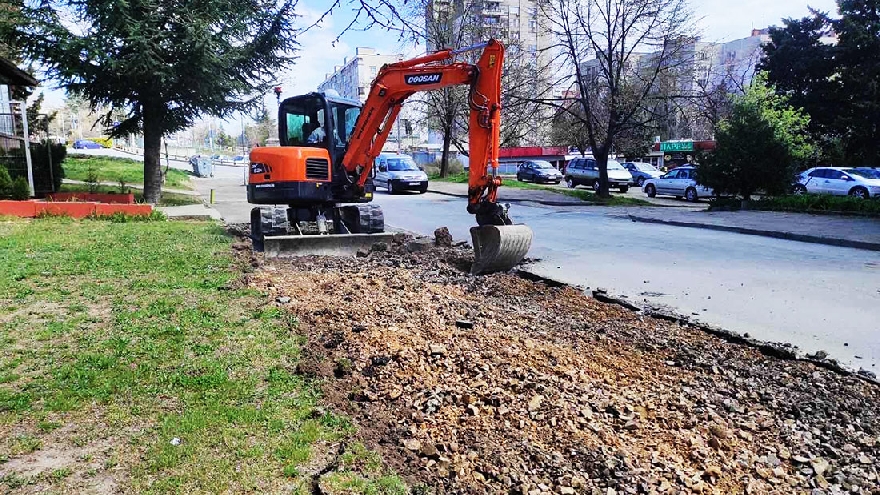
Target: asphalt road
814, 296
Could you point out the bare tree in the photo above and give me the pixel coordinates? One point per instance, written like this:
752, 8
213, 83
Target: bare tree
612, 53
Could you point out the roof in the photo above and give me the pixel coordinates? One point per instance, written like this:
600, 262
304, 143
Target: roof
12, 75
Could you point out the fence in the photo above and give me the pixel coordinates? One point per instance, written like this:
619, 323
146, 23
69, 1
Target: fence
15, 150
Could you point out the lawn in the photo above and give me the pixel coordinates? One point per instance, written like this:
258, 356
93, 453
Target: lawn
168, 199
583, 195
136, 361
110, 169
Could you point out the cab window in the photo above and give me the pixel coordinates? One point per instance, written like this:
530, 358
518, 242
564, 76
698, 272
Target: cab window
301, 117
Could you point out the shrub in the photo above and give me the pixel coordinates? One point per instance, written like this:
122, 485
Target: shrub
5, 182
807, 203
20, 189
455, 167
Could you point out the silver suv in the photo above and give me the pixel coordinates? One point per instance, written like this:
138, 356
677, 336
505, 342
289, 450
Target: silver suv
586, 171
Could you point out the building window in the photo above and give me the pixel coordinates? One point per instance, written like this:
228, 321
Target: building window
533, 25
361, 91
373, 70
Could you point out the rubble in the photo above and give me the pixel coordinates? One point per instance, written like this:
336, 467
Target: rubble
551, 390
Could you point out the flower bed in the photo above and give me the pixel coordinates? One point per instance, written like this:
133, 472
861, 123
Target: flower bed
31, 209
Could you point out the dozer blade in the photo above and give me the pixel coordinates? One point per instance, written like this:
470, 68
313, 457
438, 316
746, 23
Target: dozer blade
499, 248
288, 246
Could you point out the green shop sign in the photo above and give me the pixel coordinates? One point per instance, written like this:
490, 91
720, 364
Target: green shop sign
677, 146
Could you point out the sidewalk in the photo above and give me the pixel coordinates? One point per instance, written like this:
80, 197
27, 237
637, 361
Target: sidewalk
546, 197
855, 232
507, 194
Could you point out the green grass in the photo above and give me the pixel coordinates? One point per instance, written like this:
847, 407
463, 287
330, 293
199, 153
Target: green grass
111, 169
120, 337
583, 195
168, 199
807, 203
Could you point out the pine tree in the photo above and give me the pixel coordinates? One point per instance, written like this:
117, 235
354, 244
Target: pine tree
164, 63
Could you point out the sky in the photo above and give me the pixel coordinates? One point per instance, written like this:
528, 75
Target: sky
320, 51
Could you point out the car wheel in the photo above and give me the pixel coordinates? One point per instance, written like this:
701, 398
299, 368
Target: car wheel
799, 189
641, 182
423, 190
859, 192
691, 195
519, 177
390, 187
570, 183
650, 190
596, 185
624, 189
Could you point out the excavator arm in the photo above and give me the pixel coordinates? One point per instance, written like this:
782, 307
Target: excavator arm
396, 82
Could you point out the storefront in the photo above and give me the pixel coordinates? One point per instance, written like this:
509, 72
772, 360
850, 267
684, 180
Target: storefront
676, 153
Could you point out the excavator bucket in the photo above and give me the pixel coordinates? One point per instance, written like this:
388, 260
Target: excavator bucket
499, 247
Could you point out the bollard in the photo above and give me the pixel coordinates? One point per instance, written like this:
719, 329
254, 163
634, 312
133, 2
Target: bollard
211, 201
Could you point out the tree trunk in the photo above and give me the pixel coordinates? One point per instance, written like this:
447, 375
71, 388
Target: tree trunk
152, 153
444, 159
601, 156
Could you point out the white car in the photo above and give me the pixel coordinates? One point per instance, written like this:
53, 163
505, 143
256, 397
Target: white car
839, 182
680, 182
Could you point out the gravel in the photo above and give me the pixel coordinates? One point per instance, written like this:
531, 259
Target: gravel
548, 390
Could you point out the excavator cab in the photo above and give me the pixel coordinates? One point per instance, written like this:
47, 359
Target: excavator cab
314, 132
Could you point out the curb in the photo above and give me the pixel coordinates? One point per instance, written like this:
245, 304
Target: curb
813, 239
561, 203
539, 201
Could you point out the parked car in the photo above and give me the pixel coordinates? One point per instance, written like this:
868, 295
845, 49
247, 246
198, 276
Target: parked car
239, 160
399, 173
586, 171
872, 172
859, 183
538, 171
679, 182
641, 172
85, 144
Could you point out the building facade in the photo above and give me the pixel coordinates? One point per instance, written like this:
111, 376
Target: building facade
517, 24
353, 78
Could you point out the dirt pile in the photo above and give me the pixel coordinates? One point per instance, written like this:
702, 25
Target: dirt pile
499, 384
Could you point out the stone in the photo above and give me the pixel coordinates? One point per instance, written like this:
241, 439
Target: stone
442, 237
864, 459
419, 245
535, 402
379, 247
412, 444
819, 465
465, 324
719, 431
713, 471
282, 300
566, 490
437, 349
800, 459
428, 449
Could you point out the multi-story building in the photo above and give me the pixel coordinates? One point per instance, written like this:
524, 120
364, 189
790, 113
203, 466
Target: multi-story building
517, 23
352, 79
695, 76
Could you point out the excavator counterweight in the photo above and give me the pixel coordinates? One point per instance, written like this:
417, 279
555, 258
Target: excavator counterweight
324, 167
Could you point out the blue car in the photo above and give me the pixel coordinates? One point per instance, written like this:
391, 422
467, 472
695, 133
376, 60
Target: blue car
85, 144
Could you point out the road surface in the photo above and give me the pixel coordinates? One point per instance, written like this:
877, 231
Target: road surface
814, 296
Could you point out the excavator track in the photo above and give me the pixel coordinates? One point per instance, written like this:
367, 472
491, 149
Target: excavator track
499, 248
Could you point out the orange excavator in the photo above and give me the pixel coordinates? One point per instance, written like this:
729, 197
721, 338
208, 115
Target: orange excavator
323, 169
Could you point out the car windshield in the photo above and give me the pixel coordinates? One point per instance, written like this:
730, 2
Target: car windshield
865, 173
402, 164
542, 164
645, 167
614, 165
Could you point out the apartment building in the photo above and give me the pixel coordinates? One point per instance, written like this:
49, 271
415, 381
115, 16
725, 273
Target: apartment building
352, 79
